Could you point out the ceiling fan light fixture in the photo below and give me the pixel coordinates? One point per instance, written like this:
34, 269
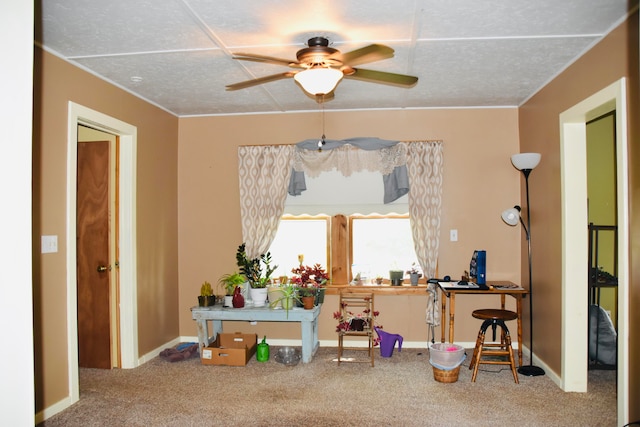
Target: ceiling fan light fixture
319, 80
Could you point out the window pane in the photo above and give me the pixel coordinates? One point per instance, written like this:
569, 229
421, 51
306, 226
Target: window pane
300, 236
380, 245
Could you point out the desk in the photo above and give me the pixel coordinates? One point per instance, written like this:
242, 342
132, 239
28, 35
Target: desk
308, 320
450, 294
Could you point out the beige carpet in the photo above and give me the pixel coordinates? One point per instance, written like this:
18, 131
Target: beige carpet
398, 391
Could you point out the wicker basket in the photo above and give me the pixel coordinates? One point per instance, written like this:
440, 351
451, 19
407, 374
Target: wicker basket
443, 376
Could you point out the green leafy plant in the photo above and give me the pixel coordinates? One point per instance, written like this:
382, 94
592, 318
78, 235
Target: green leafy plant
288, 296
257, 270
229, 281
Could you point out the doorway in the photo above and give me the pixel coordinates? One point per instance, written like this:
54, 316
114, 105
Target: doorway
126, 235
602, 214
575, 238
97, 265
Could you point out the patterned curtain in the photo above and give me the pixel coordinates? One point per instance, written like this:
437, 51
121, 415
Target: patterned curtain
424, 161
264, 173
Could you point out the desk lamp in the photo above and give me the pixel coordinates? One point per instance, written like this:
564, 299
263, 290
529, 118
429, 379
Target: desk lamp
525, 162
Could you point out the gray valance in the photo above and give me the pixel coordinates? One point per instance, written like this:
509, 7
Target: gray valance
352, 155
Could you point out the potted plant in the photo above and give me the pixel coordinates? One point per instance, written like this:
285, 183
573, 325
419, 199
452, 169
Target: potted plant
228, 283
287, 297
350, 321
396, 277
206, 298
414, 274
310, 281
258, 272
275, 291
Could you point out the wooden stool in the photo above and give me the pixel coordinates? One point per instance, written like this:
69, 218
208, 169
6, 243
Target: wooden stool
493, 318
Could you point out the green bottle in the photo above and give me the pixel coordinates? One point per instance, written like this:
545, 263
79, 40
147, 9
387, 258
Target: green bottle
262, 354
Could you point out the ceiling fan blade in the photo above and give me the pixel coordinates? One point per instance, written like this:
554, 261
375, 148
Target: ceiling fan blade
260, 80
371, 53
382, 77
265, 59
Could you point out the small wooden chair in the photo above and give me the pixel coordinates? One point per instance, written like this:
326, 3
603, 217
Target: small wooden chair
357, 302
493, 318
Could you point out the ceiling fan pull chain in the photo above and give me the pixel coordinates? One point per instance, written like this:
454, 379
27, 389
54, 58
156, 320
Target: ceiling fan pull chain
321, 142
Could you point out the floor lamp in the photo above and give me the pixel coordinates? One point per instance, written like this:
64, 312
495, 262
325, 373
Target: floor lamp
525, 162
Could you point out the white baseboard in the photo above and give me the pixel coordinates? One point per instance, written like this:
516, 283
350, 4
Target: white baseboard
50, 411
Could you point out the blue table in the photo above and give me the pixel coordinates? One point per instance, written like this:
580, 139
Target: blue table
308, 320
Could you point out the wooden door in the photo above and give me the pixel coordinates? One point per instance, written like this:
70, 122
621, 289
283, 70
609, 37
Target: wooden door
93, 268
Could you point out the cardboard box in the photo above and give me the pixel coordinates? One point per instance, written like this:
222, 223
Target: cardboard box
230, 349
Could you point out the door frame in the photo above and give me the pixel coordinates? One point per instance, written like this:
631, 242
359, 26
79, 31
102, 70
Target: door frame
78, 114
573, 161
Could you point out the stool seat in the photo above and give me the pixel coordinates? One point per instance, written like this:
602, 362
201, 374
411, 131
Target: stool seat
493, 318
494, 314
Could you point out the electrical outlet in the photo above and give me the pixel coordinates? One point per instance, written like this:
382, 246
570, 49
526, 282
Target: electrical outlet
453, 235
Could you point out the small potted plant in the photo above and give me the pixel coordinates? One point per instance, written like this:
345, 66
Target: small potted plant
379, 280
228, 283
396, 277
206, 298
414, 274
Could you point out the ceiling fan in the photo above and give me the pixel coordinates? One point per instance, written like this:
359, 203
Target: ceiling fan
320, 67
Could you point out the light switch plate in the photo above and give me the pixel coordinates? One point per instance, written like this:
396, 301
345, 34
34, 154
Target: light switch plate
453, 235
49, 244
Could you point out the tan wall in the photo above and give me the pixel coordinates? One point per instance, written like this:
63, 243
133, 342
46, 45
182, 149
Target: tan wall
615, 57
57, 83
479, 183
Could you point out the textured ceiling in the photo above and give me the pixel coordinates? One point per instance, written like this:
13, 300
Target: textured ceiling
177, 54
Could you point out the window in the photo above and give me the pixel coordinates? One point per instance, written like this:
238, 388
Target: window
346, 245
380, 243
301, 235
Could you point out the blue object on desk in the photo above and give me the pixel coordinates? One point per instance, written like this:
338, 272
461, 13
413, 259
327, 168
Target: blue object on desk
478, 266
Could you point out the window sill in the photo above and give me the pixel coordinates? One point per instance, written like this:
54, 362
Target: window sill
406, 289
